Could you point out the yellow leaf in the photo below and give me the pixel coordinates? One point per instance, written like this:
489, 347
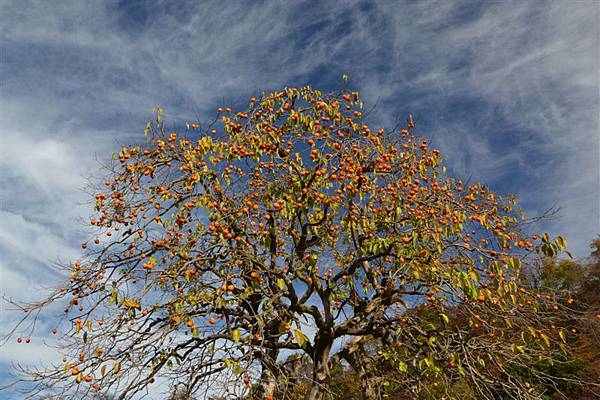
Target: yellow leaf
546, 339
562, 336
281, 283
474, 275
301, 338
445, 318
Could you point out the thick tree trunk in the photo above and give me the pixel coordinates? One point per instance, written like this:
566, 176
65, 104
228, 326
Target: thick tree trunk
367, 381
354, 355
321, 372
268, 383
268, 380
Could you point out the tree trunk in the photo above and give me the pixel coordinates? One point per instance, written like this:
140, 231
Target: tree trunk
268, 383
354, 354
367, 381
268, 380
321, 372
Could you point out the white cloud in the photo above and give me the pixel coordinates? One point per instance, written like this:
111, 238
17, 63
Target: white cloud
79, 79
527, 66
32, 241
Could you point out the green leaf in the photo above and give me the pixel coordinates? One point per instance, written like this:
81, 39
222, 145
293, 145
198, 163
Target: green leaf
473, 292
236, 335
402, 366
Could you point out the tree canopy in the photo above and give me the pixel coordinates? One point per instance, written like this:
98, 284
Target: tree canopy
223, 253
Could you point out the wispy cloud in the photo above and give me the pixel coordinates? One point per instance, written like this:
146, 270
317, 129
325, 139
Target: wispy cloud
508, 90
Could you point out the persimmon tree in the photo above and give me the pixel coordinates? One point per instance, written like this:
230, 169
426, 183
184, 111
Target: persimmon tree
292, 226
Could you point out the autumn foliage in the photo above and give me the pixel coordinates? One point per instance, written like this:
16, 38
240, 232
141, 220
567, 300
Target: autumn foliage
292, 227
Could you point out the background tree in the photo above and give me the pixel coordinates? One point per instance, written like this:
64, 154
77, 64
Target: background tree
293, 226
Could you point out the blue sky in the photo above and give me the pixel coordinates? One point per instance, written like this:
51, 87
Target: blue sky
508, 90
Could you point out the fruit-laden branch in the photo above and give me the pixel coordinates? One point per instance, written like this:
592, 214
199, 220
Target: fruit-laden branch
214, 249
